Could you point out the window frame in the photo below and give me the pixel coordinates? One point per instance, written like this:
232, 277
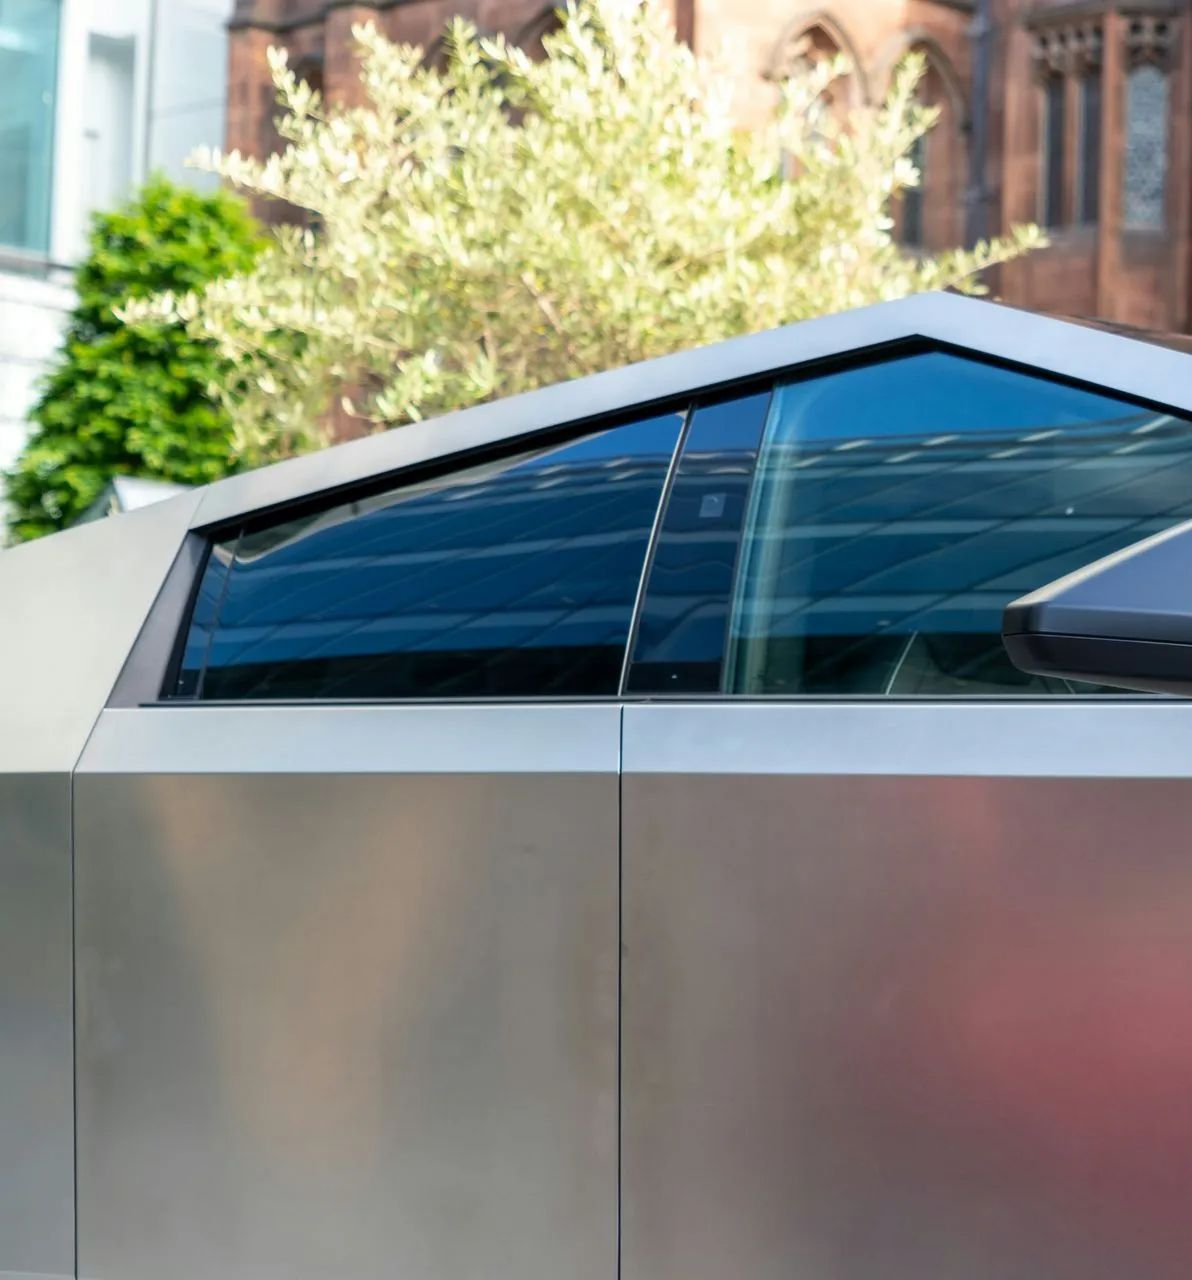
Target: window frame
184, 583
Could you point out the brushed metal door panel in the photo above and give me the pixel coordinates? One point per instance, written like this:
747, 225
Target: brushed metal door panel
891, 1026
36, 1072
73, 606
359, 1024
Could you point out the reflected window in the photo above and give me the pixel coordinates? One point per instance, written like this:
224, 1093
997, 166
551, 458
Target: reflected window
684, 621
28, 76
517, 578
898, 507
1144, 181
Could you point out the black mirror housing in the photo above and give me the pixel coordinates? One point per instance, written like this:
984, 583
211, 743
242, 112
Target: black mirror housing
1125, 621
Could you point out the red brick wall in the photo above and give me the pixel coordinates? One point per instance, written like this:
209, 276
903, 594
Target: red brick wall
1087, 271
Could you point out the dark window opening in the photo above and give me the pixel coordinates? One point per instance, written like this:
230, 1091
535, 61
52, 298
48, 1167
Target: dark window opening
1054, 126
1089, 187
516, 578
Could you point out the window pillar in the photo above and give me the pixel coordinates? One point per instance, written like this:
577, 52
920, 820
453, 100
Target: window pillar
1181, 206
1110, 199
1073, 127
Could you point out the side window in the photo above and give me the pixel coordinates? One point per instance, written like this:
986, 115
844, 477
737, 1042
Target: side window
898, 507
684, 618
516, 578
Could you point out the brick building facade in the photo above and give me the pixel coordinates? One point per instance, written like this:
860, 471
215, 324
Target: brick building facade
1087, 124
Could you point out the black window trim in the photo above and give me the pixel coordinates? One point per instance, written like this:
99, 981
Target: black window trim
643, 581
137, 687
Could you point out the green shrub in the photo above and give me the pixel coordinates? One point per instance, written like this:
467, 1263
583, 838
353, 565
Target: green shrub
134, 399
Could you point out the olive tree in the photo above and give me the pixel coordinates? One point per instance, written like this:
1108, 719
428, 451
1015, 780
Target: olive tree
496, 223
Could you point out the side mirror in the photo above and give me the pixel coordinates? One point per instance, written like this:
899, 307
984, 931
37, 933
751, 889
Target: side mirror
1125, 621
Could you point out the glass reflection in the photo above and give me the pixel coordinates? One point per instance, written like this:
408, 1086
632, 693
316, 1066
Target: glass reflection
680, 642
899, 507
512, 579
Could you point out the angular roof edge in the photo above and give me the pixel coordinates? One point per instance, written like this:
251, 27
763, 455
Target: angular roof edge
1068, 350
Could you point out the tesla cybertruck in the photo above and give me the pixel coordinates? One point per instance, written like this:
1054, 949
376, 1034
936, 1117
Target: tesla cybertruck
603, 833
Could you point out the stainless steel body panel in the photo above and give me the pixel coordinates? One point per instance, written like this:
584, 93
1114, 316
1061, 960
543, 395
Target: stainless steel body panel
72, 607
1057, 739
903, 995
347, 987
352, 740
347, 976
36, 1071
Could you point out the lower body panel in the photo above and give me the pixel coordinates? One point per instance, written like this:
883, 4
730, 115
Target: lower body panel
345, 1024
896, 1026
36, 1031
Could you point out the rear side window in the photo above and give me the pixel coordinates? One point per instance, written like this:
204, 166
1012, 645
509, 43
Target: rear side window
516, 578
898, 507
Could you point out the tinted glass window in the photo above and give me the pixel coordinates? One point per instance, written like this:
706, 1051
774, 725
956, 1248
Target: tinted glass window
899, 507
513, 579
681, 635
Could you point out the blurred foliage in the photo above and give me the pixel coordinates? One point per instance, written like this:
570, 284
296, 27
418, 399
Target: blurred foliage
499, 223
134, 399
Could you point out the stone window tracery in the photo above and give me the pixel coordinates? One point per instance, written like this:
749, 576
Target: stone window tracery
1070, 55
1149, 42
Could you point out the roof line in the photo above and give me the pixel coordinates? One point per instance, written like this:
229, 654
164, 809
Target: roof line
1115, 364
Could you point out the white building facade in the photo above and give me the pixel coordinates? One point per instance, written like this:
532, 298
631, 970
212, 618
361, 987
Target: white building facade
95, 95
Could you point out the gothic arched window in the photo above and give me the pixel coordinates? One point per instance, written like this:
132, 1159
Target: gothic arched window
815, 44
1088, 185
930, 214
